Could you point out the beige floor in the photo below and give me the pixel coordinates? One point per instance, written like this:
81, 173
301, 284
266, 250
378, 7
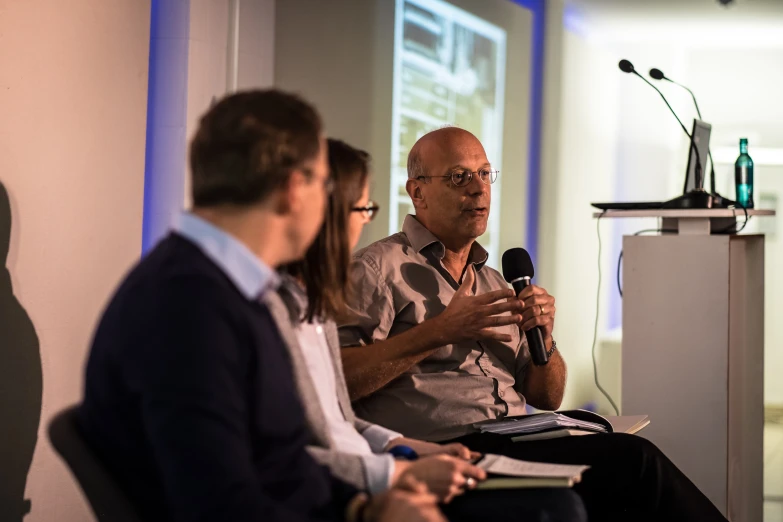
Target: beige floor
773, 473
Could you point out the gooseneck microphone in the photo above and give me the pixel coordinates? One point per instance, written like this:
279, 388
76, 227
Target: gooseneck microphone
627, 67
518, 270
657, 74
697, 198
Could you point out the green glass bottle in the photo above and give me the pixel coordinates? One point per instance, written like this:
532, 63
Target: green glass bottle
743, 176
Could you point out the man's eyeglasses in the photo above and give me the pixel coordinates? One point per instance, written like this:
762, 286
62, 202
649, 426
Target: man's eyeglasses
463, 177
369, 211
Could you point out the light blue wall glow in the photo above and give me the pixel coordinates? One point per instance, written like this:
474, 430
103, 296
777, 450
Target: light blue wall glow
165, 160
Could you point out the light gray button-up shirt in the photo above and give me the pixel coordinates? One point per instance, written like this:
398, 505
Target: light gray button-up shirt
398, 283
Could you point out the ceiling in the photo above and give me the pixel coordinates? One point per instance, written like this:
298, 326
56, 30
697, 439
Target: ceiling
742, 10
644, 19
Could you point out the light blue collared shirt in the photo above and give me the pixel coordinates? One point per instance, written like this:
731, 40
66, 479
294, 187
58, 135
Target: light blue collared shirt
251, 276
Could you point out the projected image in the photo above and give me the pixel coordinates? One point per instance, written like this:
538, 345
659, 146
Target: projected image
449, 69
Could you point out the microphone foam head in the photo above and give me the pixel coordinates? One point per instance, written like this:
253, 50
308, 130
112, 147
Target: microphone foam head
656, 74
626, 66
516, 264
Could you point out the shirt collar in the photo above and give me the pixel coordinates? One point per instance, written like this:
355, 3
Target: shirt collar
251, 276
421, 238
293, 296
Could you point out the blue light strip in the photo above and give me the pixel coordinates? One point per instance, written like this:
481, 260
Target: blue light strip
146, 225
164, 161
538, 9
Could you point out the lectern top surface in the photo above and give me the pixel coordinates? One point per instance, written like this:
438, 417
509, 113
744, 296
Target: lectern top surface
686, 213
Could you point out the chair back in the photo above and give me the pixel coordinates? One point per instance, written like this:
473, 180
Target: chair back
108, 501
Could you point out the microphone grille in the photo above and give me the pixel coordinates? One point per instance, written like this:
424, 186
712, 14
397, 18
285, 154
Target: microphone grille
656, 74
626, 66
517, 263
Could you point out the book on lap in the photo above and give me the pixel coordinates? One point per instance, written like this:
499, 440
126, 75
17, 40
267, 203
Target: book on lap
630, 424
552, 425
547, 421
552, 434
524, 483
507, 473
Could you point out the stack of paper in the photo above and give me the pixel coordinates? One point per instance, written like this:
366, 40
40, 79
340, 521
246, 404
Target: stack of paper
629, 424
505, 472
539, 423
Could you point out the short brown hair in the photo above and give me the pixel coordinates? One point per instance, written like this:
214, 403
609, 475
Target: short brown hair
324, 269
247, 145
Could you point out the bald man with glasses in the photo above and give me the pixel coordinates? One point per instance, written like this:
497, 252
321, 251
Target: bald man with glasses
435, 343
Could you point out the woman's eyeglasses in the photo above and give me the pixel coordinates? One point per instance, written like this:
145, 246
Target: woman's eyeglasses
369, 211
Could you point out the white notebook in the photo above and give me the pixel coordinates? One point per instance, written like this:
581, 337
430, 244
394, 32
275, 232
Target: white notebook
505, 472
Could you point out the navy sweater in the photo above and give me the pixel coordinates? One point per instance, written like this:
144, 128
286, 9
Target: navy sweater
190, 400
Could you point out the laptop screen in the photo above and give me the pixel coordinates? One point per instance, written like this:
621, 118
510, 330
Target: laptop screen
701, 140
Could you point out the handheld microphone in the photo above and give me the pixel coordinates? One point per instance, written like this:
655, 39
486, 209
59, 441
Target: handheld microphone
657, 74
627, 67
518, 270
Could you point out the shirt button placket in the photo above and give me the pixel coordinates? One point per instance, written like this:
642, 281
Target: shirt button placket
482, 360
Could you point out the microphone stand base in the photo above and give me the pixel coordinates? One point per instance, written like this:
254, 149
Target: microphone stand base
719, 201
692, 199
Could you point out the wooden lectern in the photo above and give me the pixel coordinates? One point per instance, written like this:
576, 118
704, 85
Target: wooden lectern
693, 349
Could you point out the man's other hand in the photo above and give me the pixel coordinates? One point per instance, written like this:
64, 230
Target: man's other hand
473, 318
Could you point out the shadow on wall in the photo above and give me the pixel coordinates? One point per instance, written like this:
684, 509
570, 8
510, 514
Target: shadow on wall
21, 385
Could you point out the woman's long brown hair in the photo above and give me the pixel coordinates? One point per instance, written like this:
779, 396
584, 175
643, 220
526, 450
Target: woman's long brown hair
324, 269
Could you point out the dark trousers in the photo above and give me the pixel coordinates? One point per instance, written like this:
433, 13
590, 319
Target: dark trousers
629, 477
516, 505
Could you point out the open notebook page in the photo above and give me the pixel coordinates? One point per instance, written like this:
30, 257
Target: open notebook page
501, 465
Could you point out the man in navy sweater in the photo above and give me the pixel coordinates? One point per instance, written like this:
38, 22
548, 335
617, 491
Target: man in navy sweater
189, 398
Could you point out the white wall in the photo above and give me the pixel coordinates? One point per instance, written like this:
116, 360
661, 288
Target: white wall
256, 60
207, 60
72, 160
339, 56
747, 104
209, 52
73, 92
588, 119
550, 140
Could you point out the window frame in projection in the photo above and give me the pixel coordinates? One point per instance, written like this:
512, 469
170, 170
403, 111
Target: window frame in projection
438, 106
